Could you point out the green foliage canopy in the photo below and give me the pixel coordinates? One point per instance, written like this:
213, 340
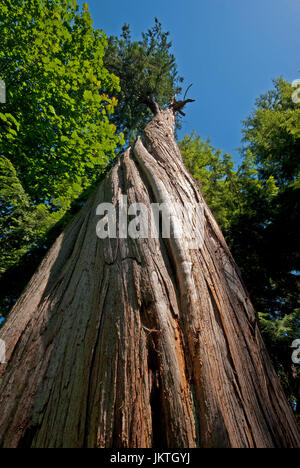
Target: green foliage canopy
145, 68
272, 133
54, 127
55, 134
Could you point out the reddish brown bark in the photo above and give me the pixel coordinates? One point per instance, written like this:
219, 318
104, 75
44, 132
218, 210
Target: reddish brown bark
140, 343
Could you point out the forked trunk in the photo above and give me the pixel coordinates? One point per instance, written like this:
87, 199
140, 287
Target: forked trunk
140, 342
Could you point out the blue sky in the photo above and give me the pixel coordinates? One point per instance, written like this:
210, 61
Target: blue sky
229, 49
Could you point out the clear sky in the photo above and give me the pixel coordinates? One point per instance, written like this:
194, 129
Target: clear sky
229, 49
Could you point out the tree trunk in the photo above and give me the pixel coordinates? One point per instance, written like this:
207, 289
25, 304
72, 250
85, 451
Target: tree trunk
136, 343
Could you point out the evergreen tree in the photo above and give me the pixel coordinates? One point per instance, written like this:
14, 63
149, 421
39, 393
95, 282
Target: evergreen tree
147, 69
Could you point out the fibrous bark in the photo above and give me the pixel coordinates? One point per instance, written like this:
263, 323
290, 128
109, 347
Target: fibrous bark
140, 342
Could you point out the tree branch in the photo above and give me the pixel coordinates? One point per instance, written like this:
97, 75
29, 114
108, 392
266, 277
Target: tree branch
177, 106
149, 102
